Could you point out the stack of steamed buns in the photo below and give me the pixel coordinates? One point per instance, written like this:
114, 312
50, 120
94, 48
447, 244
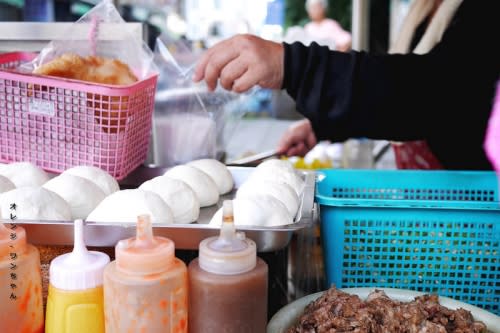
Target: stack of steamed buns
270, 197
71, 195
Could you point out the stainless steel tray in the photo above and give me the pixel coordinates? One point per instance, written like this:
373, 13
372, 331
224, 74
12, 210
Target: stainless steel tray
185, 236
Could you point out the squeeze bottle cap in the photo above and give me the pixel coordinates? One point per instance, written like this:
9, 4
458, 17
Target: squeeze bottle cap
80, 269
231, 253
12, 240
144, 254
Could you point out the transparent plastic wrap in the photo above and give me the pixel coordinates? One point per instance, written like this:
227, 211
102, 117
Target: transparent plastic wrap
190, 121
100, 32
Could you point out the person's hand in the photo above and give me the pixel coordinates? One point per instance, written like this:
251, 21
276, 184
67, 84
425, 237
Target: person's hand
344, 47
298, 139
242, 62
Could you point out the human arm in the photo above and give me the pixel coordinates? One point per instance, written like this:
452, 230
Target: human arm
399, 97
444, 96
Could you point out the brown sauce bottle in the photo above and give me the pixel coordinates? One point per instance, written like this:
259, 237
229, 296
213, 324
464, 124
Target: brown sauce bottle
228, 284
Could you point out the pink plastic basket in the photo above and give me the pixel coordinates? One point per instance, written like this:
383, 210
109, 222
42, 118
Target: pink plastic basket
58, 123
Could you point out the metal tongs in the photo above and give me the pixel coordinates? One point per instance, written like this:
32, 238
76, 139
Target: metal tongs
254, 160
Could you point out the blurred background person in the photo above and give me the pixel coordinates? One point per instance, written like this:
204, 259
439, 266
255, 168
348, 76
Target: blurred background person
323, 28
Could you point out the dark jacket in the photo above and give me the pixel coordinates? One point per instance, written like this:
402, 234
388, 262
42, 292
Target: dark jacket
444, 97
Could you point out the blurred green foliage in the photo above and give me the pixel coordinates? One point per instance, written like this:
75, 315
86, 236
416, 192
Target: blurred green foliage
15, 3
339, 10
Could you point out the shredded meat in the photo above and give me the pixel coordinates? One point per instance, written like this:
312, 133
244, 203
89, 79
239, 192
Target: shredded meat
337, 311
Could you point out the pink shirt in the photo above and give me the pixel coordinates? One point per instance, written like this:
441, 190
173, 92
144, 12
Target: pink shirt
329, 29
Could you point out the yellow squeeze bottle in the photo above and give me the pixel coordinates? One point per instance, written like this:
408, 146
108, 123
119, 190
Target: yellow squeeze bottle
75, 299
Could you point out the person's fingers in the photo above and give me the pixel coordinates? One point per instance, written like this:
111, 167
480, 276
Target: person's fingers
301, 147
263, 64
215, 65
245, 82
219, 48
214, 54
298, 149
311, 140
200, 69
291, 152
201, 66
285, 143
232, 72
282, 147
294, 134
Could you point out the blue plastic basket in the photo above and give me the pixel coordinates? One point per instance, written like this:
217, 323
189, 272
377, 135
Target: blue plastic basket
431, 231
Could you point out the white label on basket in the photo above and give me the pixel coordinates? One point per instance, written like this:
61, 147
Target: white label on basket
41, 106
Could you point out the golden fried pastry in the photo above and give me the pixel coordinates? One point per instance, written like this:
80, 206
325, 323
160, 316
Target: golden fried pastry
90, 69
111, 112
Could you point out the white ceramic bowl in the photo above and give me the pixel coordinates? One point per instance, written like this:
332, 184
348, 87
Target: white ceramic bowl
289, 314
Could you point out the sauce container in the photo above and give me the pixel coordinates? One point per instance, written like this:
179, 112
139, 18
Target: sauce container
21, 307
75, 303
228, 283
145, 289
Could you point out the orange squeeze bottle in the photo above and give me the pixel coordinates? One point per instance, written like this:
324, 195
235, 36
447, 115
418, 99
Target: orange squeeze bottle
145, 288
21, 308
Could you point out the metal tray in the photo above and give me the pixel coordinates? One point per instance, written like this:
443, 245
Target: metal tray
185, 236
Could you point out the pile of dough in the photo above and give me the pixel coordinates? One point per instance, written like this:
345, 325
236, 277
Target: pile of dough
81, 194
217, 171
279, 171
201, 183
24, 174
35, 203
6, 185
259, 211
124, 207
99, 177
280, 191
177, 195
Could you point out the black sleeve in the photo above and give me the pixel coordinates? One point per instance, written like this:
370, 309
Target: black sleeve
401, 97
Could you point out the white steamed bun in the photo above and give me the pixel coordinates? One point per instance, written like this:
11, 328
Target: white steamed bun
279, 171
217, 171
177, 195
124, 207
281, 191
24, 174
258, 211
81, 194
35, 203
99, 177
201, 183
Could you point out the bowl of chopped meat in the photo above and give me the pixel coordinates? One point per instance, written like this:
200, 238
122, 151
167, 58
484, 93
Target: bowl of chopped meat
384, 310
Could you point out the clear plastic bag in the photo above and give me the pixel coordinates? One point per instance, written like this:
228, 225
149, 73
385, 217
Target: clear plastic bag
100, 32
190, 122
